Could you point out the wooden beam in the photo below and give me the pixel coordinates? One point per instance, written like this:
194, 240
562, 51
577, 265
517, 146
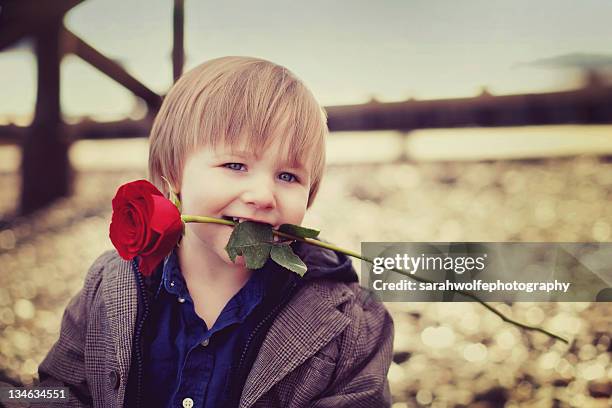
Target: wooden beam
178, 50
111, 68
11, 34
124, 129
45, 167
86, 129
12, 134
584, 106
22, 18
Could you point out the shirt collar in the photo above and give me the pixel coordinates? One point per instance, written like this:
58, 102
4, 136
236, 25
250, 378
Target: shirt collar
172, 279
173, 282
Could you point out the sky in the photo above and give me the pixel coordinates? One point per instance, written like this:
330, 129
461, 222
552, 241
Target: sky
346, 51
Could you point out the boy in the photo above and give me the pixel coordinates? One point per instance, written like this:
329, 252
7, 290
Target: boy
243, 139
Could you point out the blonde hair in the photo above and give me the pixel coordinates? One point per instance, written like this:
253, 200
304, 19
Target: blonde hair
226, 98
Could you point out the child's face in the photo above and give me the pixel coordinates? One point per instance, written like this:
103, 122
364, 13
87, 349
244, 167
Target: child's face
220, 183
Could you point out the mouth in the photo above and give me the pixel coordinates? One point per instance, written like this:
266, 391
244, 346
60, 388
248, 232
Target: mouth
238, 220
233, 219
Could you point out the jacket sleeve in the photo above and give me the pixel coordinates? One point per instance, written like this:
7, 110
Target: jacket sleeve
64, 365
367, 351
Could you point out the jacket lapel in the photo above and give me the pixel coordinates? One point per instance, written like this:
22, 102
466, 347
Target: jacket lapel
121, 299
305, 325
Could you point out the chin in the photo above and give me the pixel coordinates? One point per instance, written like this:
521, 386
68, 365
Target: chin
238, 261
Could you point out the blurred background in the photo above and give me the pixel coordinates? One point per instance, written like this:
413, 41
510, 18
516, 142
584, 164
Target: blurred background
451, 121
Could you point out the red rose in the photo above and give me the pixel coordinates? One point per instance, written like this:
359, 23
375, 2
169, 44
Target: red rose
144, 223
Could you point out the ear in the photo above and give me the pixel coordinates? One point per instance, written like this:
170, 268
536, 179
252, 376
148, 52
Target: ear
172, 196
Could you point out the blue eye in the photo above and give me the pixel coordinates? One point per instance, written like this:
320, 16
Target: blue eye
288, 177
234, 166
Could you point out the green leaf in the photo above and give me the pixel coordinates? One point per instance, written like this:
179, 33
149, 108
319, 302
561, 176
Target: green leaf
253, 240
283, 255
299, 231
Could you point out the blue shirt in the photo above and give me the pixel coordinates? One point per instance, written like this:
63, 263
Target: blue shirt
183, 358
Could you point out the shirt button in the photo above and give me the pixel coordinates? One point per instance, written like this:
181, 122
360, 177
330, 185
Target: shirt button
205, 342
172, 284
187, 403
113, 379
181, 300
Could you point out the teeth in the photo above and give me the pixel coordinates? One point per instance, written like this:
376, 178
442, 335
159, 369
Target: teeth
234, 219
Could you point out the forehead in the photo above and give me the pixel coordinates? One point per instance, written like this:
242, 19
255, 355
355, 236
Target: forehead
282, 141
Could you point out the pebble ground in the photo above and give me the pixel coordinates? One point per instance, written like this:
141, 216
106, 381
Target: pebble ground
446, 354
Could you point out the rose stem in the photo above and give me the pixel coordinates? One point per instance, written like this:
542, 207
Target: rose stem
212, 220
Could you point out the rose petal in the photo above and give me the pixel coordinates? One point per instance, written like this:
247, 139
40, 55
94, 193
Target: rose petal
166, 223
144, 223
147, 265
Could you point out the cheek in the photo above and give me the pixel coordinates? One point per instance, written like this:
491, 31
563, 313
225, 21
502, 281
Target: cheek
190, 195
295, 207
197, 201
194, 206
209, 197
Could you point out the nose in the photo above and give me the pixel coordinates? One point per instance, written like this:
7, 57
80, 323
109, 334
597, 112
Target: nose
260, 194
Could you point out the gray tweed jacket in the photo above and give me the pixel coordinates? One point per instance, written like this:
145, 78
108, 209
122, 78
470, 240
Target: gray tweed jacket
330, 346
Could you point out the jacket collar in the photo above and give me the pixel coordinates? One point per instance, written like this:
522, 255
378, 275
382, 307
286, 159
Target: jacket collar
324, 263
